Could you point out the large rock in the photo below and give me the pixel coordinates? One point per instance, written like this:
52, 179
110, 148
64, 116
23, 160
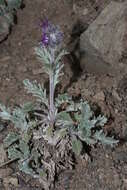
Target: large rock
104, 43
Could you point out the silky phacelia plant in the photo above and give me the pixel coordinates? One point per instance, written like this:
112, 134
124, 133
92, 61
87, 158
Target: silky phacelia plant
56, 128
51, 39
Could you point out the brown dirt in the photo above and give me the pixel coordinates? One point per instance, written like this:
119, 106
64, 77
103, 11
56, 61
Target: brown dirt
106, 169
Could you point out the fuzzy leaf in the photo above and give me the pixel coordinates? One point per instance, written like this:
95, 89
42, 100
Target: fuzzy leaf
86, 111
19, 119
10, 139
36, 90
58, 67
88, 140
77, 146
64, 119
73, 107
86, 123
27, 136
44, 56
100, 136
62, 98
14, 152
54, 137
27, 107
14, 4
77, 117
101, 121
5, 113
57, 73
24, 166
1, 127
24, 148
61, 133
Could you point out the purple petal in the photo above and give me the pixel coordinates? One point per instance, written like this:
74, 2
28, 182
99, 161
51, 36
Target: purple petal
51, 34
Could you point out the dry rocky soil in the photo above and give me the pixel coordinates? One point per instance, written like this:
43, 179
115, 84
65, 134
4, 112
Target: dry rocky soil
104, 168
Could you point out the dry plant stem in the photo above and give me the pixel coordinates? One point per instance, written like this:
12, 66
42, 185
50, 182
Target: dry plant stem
8, 162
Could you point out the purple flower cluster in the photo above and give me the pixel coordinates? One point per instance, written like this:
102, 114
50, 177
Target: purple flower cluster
51, 35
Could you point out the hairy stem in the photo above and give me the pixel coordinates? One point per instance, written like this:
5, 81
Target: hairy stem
51, 99
52, 91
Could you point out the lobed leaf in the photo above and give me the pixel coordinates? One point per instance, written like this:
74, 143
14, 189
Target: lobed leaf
24, 166
36, 90
57, 73
14, 4
64, 119
5, 113
76, 146
14, 152
45, 57
100, 136
19, 119
24, 148
27, 107
10, 139
61, 99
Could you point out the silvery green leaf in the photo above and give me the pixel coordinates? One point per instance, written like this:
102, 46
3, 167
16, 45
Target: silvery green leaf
58, 67
24, 166
77, 117
27, 136
5, 113
45, 57
14, 4
61, 133
36, 90
73, 107
76, 146
100, 136
27, 107
1, 127
57, 73
64, 119
54, 137
19, 119
86, 111
86, 122
62, 98
24, 148
85, 130
10, 139
101, 121
35, 156
89, 140
14, 152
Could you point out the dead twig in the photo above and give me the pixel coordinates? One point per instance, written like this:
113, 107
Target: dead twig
8, 162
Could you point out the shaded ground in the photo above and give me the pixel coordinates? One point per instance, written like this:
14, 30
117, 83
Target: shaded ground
106, 169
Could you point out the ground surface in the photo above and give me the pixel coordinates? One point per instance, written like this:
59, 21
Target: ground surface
106, 168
